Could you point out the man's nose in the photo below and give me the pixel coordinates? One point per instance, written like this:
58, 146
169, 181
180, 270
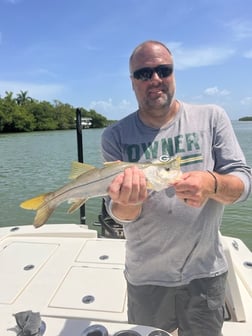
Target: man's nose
155, 76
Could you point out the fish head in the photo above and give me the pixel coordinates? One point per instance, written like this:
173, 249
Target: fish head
161, 174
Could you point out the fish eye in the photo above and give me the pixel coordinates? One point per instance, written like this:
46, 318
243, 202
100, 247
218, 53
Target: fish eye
167, 169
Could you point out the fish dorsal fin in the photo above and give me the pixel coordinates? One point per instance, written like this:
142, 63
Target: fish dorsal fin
79, 168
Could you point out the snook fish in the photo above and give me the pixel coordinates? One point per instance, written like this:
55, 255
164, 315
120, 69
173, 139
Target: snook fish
89, 181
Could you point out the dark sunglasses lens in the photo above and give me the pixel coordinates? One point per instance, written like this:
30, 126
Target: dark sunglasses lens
144, 74
164, 71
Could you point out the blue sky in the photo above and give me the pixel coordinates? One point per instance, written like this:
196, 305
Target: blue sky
76, 51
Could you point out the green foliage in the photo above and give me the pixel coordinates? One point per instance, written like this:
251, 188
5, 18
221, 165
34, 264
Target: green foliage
22, 98
246, 119
25, 114
22, 121
99, 121
43, 113
64, 115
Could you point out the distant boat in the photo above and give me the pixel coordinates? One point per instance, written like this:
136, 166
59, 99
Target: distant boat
86, 122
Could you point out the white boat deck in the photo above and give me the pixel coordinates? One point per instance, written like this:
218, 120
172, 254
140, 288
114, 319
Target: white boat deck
74, 280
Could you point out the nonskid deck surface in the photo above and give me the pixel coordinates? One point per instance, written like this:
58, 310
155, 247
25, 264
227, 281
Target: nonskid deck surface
75, 279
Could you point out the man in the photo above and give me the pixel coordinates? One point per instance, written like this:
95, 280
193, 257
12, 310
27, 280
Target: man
175, 266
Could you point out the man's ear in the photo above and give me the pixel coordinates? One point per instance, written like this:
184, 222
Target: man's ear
132, 83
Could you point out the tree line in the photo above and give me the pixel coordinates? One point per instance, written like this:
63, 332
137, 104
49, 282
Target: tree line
25, 114
245, 118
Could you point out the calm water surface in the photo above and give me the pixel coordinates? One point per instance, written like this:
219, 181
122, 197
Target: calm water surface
38, 162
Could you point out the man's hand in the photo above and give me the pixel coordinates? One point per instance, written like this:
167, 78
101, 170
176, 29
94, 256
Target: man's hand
128, 191
195, 187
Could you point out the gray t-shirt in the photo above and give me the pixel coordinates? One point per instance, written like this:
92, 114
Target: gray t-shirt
171, 243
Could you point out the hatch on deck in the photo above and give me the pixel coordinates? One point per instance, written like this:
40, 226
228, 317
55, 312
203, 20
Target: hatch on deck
22, 261
92, 289
103, 251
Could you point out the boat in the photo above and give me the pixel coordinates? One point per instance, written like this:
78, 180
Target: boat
86, 122
65, 279
68, 280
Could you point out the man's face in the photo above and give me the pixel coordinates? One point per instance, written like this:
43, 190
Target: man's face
155, 87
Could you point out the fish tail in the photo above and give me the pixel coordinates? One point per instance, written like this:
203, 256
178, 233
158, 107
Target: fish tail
42, 215
43, 207
34, 203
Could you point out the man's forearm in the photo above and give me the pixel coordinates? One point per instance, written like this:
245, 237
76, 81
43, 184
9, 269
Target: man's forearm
229, 188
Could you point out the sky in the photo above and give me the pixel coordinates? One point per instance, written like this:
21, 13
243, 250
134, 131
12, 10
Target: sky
77, 51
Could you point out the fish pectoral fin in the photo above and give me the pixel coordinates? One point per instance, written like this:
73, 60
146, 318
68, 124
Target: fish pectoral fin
34, 203
78, 168
76, 205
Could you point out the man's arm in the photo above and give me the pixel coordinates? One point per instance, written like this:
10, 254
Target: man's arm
196, 187
229, 188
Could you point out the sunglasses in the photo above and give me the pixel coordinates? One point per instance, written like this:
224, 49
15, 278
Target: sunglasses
145, 74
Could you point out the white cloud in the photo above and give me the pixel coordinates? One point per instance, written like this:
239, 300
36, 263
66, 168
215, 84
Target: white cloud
246, 101
111, 110
215, 91
241, 29
198, 57
36, 91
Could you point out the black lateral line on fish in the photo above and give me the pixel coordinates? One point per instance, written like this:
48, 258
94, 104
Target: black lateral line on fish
87, 184
80, 185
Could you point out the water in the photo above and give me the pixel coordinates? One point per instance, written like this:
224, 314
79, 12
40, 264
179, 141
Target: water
32, 163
